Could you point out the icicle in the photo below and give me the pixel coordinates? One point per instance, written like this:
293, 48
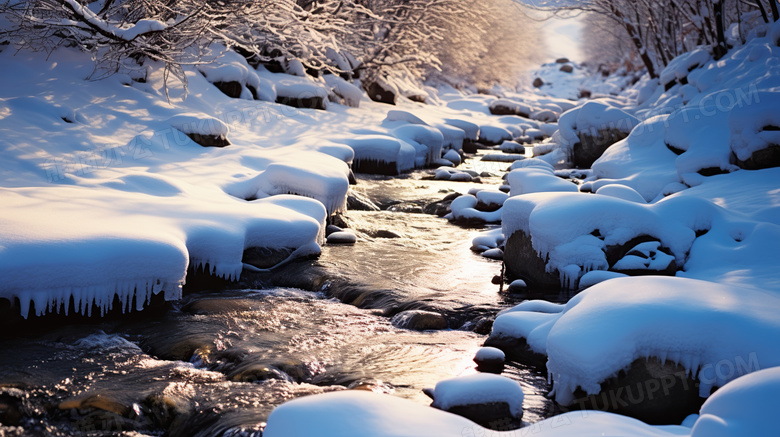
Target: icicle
24, 304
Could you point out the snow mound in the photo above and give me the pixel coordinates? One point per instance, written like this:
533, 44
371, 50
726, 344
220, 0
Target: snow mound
537, 178
354, 413
746, 406
480, 388
755, 127
688, 322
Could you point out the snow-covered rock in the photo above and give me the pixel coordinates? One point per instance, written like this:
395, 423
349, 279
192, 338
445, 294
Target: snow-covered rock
489, 400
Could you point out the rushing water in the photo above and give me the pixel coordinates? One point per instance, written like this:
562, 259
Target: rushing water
217, 363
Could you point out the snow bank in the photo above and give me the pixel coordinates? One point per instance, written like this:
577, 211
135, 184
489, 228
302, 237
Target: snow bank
353, 413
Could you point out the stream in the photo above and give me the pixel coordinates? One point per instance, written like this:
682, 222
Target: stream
219, 361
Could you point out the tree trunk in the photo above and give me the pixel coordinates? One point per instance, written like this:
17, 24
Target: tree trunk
638, 43
720, 48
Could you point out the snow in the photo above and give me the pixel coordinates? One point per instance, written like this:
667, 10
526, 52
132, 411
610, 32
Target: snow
680, 66
349, 93
384, 149
534, 179
479, 388
620, 192
489, 353
463, 208
747, 406
355, 413
749, 125
590, 118
199, 124
493, 134
595, 276
685, 321
453, 157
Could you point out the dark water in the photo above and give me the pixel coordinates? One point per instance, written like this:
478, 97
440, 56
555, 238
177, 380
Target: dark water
217, 363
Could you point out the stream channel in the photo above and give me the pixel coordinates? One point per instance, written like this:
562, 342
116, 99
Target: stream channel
218, 361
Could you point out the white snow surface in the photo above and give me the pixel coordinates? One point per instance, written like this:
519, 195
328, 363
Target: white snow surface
479, 388
353, 413
489, 353
690, 322
104, 196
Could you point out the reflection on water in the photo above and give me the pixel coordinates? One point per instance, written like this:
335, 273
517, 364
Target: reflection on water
217, 363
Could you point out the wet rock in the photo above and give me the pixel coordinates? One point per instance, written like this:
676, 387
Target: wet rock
340, 220
538, 82
562, 61
11, 407
265, 257
490, 359
257, 373
522, 261
649, 390
342, 237
517, 349
483, 325
331, 229
359, 202
418, 320
517, 286
99, 401
217, 305
592, 145
441, 207
567, 68
584, 94
383, 233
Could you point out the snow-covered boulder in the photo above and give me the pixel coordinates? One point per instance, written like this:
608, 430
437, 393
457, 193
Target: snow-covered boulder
602, 342
534, 179
381, 91
381, 154
356, 413
511, 107
568, 234
492, 135
745, 406
348, 93
493, 401
202, 129
231, 74
490, 359
587, 131
755, 132
465, 211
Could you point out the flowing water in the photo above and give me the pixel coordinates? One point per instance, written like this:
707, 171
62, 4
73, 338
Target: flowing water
219, 361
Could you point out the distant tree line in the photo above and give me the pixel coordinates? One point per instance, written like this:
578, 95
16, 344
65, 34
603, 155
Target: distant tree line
450, 40
658, 30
